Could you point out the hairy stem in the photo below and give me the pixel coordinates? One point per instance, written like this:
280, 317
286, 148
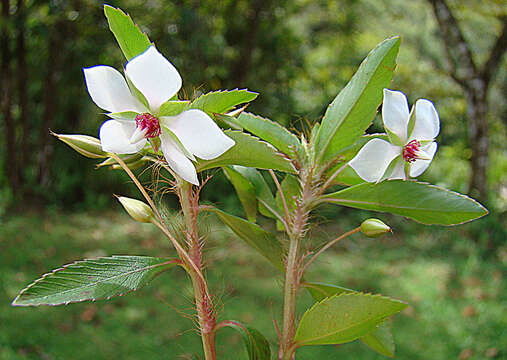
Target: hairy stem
203, 302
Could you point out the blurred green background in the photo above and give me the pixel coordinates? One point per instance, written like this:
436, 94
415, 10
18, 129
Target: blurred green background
56, 208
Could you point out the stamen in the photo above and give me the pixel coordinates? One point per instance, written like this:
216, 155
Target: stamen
150, 123
411, 150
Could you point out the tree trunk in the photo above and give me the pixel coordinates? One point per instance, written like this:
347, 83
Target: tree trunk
22, 89
11, 164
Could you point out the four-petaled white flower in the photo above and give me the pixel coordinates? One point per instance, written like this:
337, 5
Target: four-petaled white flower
411, 135
190, 133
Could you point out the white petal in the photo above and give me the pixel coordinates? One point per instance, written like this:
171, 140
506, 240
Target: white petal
177, 160
115, 137
398, 171
419, 166
109, 90
372, 160
427, 122
154, 76
395, 113
199, 134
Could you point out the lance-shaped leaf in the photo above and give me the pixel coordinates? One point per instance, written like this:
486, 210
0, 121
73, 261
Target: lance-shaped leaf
272, 132
255, 236
380, 339
249, 151
343, 318
267, 203
220, 102
425, 203
94, 279
131, 39
245, 190
352, 111
256, 344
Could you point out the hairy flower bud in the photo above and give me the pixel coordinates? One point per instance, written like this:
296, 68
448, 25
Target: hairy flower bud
374, 228
137, 209
83, 144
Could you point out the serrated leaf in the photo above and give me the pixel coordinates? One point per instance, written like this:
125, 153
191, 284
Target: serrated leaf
222, 101
353, 110
272, 132
93, 279
379, 339
172, 107
267, 203
131, 39
249, 151
320, 291
255, 236
425, 203
245, 190
256, 344
343, 318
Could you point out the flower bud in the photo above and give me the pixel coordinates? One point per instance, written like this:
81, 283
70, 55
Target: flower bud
132, 165
374, 228
127, 158
83, 144
137, 209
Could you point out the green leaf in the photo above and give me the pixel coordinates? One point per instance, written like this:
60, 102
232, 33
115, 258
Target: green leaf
352, 111
320, 291
131, 39
124, 115
291, 190
425, 203
343, 318
245, 190
220, 102
255, 236
249, 151
227, 122
256, 344
272, 132
267, 203
95, 279
380, 339
172, 108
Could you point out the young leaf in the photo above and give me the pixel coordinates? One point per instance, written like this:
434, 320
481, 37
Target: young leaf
95, 279
249, 151
272, 132
245, 190
256, 344
352, 111
425, 203
131, 39
380, 339
172, 107
220, 102
262, 241
267, 203
343, 318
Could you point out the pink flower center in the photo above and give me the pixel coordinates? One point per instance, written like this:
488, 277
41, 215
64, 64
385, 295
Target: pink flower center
410, 151
149, 122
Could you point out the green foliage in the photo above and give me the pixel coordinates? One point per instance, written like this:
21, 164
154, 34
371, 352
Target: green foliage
352, 111
428, 204
95, 279
272, 132
343, 318
248, 151
245, 190
320, 291
172, 107
255, 236
131, 39
256, 344
220, 102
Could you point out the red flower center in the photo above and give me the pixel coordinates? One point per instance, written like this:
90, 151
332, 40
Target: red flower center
410, 151
149, 122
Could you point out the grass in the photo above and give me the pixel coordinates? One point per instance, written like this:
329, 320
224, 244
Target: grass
456, 291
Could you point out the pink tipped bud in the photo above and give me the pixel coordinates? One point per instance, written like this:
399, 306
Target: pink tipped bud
374, 228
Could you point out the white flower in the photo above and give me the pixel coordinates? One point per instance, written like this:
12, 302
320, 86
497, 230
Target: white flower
411, 135
190, 133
